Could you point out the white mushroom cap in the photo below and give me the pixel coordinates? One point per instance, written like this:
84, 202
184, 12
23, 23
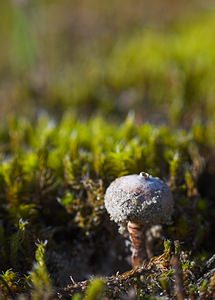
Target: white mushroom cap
141, 199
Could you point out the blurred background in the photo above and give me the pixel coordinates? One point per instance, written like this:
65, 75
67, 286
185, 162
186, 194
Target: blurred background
154, 58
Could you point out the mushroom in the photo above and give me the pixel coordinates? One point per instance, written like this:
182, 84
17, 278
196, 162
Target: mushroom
139, 201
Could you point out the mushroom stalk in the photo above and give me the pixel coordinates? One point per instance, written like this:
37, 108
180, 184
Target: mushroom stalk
137, 237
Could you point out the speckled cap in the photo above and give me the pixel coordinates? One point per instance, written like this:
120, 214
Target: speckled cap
141, 199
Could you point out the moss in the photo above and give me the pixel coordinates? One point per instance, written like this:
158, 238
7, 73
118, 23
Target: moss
79, 116
54, 190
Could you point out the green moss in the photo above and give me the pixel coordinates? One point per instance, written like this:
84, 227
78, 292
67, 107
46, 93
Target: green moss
59, 183
39, 277
82, 114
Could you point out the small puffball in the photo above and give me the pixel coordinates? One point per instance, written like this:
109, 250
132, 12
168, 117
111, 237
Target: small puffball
141, 199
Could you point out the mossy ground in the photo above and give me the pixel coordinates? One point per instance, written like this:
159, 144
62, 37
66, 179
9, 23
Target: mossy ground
53, 178
77, 117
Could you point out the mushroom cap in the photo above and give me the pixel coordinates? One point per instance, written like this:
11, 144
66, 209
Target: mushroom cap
141, 199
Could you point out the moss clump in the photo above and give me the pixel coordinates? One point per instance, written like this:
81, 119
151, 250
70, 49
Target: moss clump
53, 179
170, 274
